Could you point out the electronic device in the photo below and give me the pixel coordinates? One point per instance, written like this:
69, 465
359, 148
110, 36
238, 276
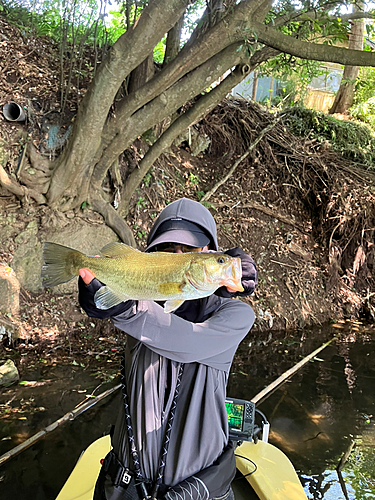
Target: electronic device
241, 418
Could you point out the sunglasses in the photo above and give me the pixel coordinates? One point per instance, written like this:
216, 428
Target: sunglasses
171, 247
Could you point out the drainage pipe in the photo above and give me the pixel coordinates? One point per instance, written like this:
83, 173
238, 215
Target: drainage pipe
13, 112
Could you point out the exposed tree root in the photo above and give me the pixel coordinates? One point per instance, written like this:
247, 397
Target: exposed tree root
269, 127
22, 192
113, 219
268, 211
34, 171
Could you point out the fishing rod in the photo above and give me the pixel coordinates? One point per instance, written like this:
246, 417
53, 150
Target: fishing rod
82, 407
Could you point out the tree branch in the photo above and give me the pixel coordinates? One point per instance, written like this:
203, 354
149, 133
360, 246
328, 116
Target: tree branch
167, 103
232, 28
263, 9
262, 55
172, 44
307, 50
353, 16
316, 15
203, 106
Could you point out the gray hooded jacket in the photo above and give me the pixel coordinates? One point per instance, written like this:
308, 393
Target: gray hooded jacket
204, 335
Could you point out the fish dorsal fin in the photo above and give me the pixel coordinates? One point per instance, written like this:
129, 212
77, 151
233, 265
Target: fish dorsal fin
115, 250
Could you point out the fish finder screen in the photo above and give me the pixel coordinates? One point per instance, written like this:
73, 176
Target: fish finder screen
235, 415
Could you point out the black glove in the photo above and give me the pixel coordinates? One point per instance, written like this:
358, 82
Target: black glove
249, 278
86, 295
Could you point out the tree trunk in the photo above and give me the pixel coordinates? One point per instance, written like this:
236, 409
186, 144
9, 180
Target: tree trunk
345, 96
255, 86
172, 47
141, 74
73, 167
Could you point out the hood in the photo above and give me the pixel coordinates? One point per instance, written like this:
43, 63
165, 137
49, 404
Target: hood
188, 210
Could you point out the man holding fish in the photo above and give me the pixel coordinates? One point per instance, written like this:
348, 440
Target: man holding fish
171, 435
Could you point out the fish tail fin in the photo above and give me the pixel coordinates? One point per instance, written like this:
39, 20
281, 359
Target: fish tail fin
61, 264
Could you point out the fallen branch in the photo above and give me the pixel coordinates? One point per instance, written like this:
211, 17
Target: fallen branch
346, 455
341, 464
266, 210
243, 157
262, 395
68, 416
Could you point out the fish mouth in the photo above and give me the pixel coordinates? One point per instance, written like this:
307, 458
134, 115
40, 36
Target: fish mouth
234, 286
233, 279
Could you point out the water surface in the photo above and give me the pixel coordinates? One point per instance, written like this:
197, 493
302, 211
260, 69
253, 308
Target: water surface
314, 417
322, 410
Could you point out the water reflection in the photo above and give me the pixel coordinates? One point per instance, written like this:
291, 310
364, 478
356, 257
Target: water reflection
326, 405
39, 472
314, 417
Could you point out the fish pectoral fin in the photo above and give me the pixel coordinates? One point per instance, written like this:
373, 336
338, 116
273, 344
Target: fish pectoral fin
172, 305
115, 250
105, 298
171, 288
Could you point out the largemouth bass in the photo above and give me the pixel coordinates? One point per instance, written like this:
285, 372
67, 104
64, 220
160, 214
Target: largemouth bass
130, 274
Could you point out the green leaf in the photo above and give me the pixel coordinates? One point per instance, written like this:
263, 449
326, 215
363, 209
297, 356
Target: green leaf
207, 204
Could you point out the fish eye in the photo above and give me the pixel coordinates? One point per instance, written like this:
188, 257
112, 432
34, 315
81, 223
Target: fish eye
221, 260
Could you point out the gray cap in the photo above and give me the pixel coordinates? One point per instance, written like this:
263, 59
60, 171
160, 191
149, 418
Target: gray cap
180, 231
202, 230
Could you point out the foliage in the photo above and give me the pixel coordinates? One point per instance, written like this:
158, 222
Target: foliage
354, 141
78, 22
360, 471
365, 111
295, 75
306, 26
159, 51
364, 99
365, 86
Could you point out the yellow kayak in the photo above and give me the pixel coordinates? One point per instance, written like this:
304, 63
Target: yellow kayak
265, 468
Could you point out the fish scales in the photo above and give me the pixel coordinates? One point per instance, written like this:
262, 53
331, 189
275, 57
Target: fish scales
130, 274
144, 273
